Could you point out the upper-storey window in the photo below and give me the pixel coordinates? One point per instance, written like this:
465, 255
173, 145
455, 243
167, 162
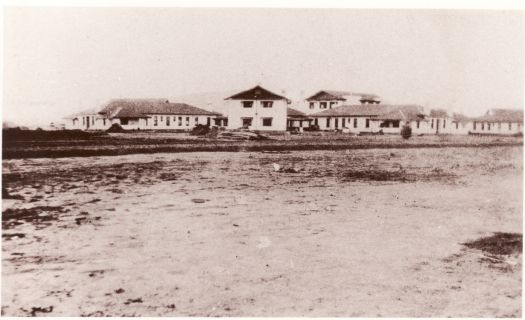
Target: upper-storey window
332, 103
267, 104
312, 105
247, 104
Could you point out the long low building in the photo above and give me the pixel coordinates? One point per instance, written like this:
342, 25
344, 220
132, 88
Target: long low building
259, 109
389, 119
146, 114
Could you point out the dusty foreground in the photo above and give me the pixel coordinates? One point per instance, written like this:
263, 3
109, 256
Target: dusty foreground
333, 233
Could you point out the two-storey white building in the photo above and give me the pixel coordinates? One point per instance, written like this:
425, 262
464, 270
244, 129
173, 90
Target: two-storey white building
257, 109
328, 99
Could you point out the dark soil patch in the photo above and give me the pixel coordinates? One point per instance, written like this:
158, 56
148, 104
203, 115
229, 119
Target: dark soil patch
9, 236
498, 244
398, 175
40, 216
7, 195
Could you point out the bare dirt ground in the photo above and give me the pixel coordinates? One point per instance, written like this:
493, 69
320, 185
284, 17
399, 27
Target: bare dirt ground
385, 232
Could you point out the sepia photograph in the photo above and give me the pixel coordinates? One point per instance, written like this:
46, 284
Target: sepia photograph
262, 161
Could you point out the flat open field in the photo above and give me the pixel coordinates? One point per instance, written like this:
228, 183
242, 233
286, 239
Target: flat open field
57, 144
377, 232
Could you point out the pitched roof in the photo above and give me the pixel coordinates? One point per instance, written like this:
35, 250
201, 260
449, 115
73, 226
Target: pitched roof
256, 93
327, 95
438, 113
502, 115
140, 108
293, 113
403, 113
363, 110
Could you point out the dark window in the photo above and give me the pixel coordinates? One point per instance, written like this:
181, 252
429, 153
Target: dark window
457, 125
395, 124
83, 120
104, 121
267, 122
336, 120
483, 126
444, 121
316, 122
432, 124
168, 121
355, 122
474, 125
124, 121
196, 120
488, 126
343, 124
187, 121
246, 122
312, 105
180, 121
208, 121
322, 105
328, 122
417, 124
247, 104
155, 120
161, 119
367, 124
332, 103
267, 104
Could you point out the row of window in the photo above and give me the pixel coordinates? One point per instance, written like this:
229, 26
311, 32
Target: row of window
265, 104
437, 123
344, 122
248, 121
492, 125
168, 120
323, 104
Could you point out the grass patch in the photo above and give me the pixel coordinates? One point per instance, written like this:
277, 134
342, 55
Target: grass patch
499, 243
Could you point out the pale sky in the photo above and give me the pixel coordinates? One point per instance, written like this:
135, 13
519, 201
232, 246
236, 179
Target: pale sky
60, 61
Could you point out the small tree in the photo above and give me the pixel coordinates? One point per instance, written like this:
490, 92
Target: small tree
406, 131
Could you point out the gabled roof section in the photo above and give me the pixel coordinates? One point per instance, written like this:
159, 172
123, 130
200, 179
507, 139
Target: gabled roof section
364, 110
295, 114
256, 93
330, 95
438, 113
502, 115
404, 113
141, 108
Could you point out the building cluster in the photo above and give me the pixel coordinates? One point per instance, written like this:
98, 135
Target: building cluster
259, 109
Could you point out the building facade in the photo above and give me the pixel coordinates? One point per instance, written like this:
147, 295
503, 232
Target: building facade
146, 114
329, 99
257, 109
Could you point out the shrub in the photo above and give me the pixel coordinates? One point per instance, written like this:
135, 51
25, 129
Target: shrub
115, 128
406, 132
200, 130
313, 127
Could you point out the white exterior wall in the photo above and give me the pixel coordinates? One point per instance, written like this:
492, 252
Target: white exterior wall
96, 122
348, 125
502, 128
278, 113
177, 122
350, 100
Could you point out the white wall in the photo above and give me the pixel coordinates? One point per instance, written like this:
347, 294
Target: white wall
236, 111
496, 127
347, 124
306, 106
